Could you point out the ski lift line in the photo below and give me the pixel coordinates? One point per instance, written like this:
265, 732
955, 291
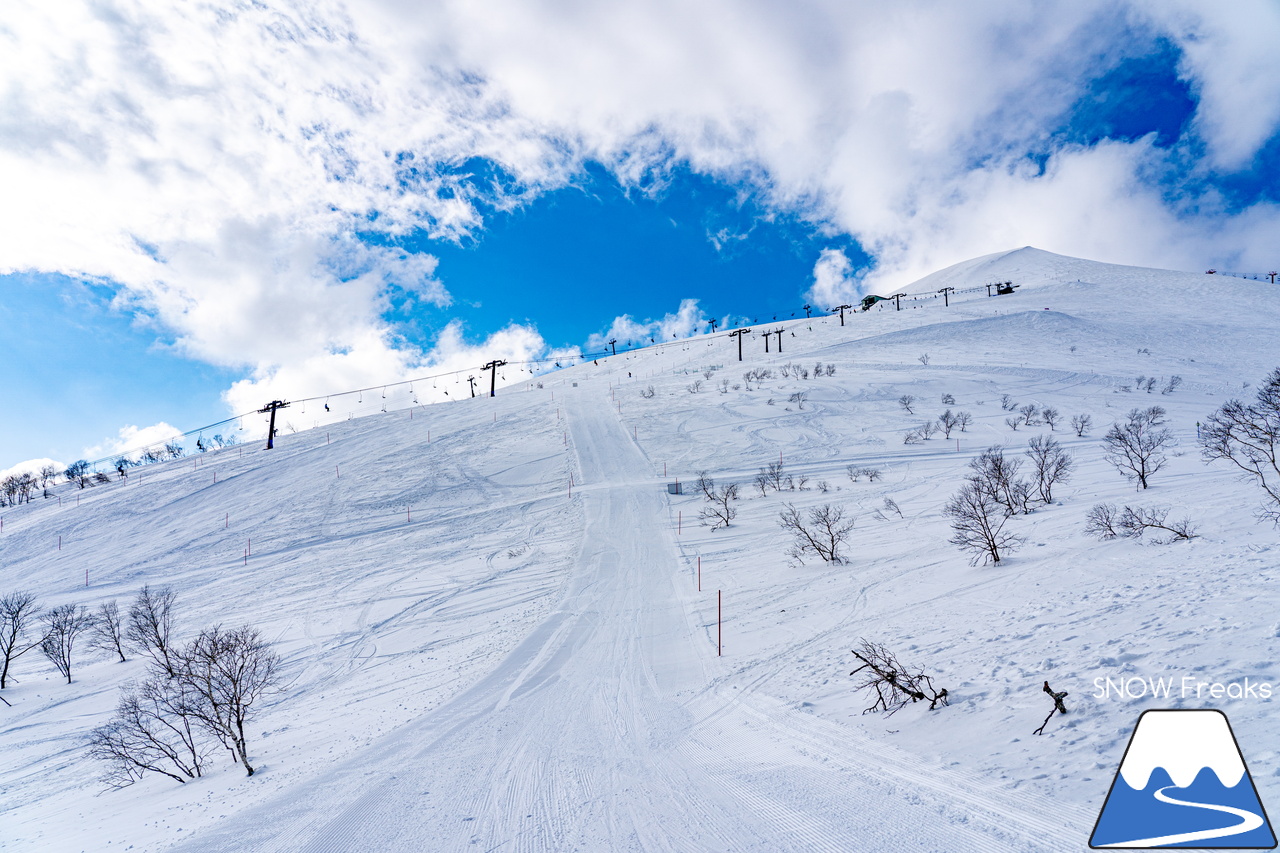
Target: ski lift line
456, 374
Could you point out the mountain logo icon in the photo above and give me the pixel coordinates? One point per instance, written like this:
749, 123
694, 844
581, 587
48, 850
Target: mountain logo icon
1183, 783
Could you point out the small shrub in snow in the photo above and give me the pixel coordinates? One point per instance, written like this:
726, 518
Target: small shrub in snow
1172, 384
798, 398
905, 401
720, 511
774, 475
1030, 414
890, 505
924, 359
948, 400
648, 393
822, 533
695, 386
963, 419
1013, 423
1007, 403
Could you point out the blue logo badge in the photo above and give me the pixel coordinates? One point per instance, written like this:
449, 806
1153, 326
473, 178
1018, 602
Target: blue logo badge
1183, 783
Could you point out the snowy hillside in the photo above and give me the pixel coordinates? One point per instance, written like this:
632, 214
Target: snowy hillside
494, 638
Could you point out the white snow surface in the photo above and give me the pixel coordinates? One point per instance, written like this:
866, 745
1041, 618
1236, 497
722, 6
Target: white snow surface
478, 659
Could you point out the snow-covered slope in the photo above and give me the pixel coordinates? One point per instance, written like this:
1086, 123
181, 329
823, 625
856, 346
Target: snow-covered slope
480, 656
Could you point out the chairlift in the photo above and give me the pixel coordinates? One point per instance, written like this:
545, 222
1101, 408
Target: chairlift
326, 404
384, 393
360, 397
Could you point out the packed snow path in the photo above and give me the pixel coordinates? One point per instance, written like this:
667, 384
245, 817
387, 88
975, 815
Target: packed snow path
606, 730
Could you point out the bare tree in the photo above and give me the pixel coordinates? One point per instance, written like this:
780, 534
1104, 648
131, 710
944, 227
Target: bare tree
18, 610
948, 421
1050, 465
63, 626
228, 673
1135, 447
948, 400
721, 511
151, 732
999, 475
648, 393
1007, 403
150, 627
107, 632
48, 474
977, 522
906, 401
1029, 414
1013, 423
963, 419
1102, 521
774, 475
706, 485
823, 534
1172, 385
1249, 438
924, 359
1081, 424
1050, 416
78, 472
798, 398
895, 685
855, 472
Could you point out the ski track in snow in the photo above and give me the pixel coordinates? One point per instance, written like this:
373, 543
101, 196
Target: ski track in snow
518, 668
594, 735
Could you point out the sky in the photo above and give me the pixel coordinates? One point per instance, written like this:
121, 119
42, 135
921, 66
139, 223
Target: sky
209, 206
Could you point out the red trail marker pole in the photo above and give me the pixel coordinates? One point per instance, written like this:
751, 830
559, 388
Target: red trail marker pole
719, 634
699, 574
408, 517
679, 521
86, 577
59, 543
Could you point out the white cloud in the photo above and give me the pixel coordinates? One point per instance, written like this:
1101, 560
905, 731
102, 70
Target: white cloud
133, 440
218, 161
375, 362
687, 321
833, 281
33, 466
